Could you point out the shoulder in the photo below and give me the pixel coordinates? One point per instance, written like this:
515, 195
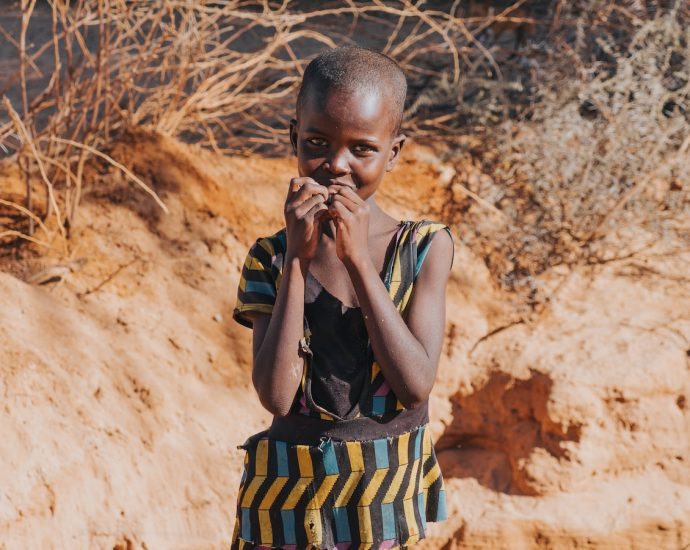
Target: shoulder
268, 251
433, 243
273, 244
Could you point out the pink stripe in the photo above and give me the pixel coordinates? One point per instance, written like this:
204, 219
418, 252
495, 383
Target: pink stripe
384, 389
388, 544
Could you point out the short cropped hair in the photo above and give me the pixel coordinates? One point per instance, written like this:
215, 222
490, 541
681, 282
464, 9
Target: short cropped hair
352, 68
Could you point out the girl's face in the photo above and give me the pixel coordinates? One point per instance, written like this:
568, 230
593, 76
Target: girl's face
346, 138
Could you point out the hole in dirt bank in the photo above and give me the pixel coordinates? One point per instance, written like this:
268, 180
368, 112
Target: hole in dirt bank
495, 430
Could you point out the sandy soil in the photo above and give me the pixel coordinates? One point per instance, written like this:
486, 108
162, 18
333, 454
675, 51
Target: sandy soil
126, 383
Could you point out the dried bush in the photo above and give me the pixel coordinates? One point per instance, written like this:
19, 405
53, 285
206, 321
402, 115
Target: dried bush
572, 115
599, 171
221, 74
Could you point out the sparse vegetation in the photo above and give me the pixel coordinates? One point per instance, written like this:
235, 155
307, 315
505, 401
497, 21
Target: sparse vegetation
568, 121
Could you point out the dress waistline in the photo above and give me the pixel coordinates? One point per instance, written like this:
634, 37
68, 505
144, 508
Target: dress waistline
299, 429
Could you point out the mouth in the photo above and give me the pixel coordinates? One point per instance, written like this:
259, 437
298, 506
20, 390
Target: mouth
327, 182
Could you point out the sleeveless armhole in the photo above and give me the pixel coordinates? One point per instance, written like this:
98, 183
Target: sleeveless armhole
411, 251
426, 235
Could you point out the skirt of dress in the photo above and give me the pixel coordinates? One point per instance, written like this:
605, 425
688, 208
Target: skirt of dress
377, 494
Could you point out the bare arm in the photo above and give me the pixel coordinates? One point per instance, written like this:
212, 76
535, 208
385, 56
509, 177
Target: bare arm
407, 350
277, 366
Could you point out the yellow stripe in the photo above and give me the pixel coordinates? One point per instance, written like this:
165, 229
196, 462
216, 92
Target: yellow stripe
251, 491
396, 272
375, 369
265, 527
426, 442
406, 298
431, 476
349, 488
395, 484
320, 496
267, 245
354, 452
413, 480
411, 520
252, 263
261, 308
312, 525
296, 493
403, 444
304, 461
373, 487
272, 493
262, 458
365, 530
236, 529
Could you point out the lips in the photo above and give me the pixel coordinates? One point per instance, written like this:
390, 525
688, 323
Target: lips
327, 182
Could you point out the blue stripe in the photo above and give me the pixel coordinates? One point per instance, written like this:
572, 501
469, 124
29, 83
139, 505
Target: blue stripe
282, 459
420, 258
342, 525
281, 238
288, 517
330, 463
388, 519
418, 444
381, 452
379, 404
420, 507
246, 525
441, 513
260, 288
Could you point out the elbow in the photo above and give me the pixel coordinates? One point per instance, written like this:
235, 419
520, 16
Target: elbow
275, 408
413, 402
414, 399
417, 394
274, 403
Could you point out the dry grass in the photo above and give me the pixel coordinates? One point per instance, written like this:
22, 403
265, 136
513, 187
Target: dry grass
223, 74
575, 112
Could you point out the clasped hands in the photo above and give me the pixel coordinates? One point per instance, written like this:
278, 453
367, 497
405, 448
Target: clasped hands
309, 204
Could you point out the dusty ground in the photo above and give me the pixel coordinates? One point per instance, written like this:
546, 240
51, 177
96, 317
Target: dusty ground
126, 383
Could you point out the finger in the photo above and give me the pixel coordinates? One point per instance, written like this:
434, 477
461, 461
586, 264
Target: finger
297, 184
351, 205
316, 212
304, 208
346, 191
309, 189
339, 210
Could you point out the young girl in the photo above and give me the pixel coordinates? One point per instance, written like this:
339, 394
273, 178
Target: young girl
347, 306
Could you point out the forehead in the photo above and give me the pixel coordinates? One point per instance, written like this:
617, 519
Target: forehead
361, 109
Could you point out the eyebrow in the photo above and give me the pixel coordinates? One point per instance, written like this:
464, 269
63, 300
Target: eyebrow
368, 139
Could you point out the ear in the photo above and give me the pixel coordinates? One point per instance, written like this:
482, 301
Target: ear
293, 134
396, 148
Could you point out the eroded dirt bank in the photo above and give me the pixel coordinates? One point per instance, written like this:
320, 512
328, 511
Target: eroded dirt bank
126, 384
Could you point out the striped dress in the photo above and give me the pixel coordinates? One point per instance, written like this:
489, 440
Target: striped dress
349, 467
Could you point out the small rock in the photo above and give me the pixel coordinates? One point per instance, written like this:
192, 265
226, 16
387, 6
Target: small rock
218, 318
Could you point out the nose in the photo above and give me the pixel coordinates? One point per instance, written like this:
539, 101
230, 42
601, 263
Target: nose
338, 163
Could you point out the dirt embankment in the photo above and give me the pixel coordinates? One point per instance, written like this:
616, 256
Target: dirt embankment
126, 383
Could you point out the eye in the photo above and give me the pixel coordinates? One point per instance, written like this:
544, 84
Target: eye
317, 141
363, 149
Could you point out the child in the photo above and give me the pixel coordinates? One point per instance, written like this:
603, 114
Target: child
347, 306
